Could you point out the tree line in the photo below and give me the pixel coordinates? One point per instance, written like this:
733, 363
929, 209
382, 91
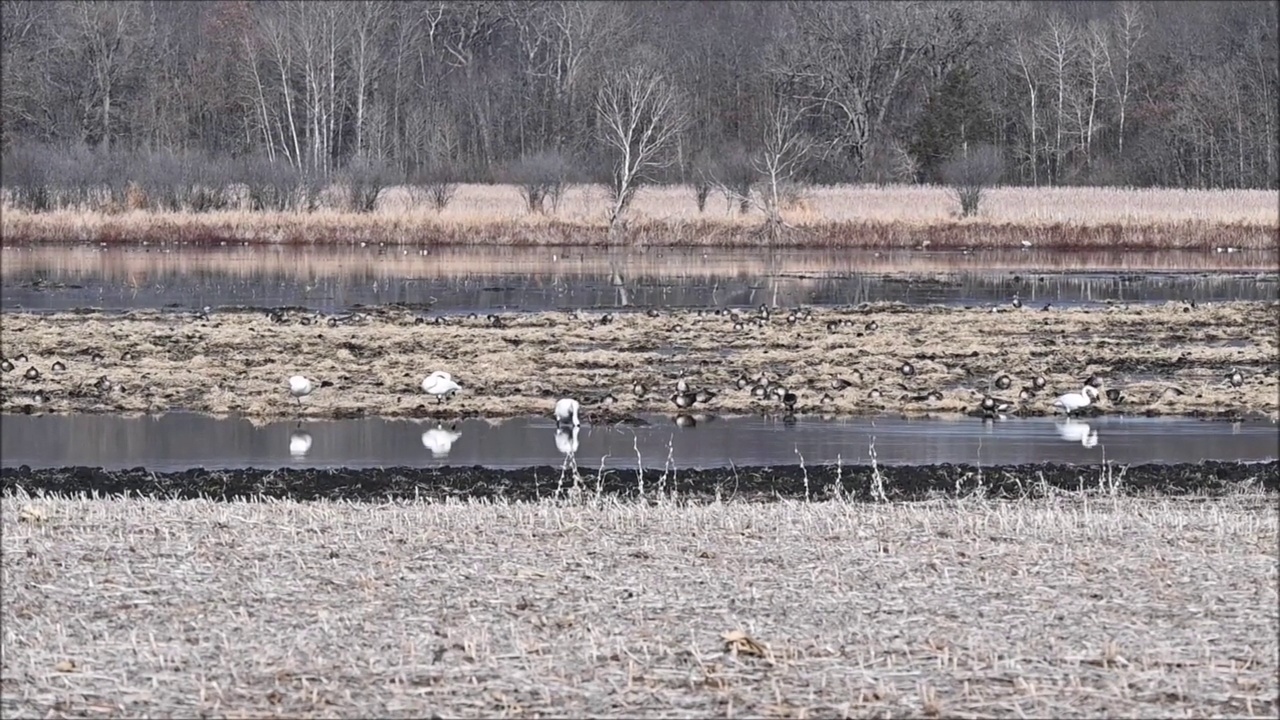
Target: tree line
719, 94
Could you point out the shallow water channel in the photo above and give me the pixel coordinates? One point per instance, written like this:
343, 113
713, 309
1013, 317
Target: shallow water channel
180, 441
49, 279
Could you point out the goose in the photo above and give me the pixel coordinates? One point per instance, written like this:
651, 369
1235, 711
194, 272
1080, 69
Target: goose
566, 412
32, 373
440, 384
743, 382
127, 356
789, 400
639, 389
874, 394
19, 358
59, 366
759, 391
704, 396
103, 384
1038, 382
840, 384
739, 326
827, 398
440, 441
684, 399
97, 357
833, 325
5, 365
567, 440
872, 326
1074, 431
1017, 302
908, 369
682, 386
1075, 401
1003, 382
1236, 379
299, 387
299, 443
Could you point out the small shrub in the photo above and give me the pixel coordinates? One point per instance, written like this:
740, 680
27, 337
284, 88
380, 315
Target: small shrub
135, 198
435, 185
541, 177
365, 179
969, 174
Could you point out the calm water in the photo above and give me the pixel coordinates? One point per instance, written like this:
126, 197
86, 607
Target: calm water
178, 440
450, 281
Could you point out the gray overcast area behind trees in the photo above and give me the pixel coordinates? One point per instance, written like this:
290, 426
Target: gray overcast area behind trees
1180, 94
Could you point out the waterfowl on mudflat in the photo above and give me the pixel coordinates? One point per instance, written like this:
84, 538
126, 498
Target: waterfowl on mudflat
759, 391
1094, 381
993, 406
704, 396
1113, 395
32, 373
907, 369
840, 384
566, 412
299, 387
1025, 394
682, 386
1071, 402
827, 398
5, 365
743, 382
1038, 382
59, 366
127, 356
874, 394
1017, 302
651, 312
103, 384
739, 326
684, 399
1236, 379
19, 358
833, 325
639, 390
789, 400
1003, 382
440, 384
872, 326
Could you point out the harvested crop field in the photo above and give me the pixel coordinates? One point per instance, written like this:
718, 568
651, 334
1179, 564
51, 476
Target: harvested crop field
1171, 359
1071, 606
754, 484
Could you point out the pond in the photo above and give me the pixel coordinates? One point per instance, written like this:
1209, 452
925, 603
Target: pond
181, 440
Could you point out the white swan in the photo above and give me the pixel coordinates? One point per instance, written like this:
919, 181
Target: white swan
1075, 431
1074, 401
299, 387
440, 441
440, 384
567, 440
299, 443
567, 412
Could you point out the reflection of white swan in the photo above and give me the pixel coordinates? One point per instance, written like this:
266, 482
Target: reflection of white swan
299, 443
567, 440
1074, 401
439, 441
440, 384
567, 412
1074, 431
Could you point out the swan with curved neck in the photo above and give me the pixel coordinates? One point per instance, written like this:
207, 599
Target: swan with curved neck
1075, 401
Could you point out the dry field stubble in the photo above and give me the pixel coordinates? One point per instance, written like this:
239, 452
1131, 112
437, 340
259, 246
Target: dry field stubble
1065, 607
1165, 360
833, 217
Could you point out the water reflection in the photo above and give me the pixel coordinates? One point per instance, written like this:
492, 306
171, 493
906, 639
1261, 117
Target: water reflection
177, 441
299, 443
440, 441
567, 441
336, 279
1076, 431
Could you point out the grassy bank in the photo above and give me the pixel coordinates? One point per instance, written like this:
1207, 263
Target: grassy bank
1168, 359
1066, 607
830, 217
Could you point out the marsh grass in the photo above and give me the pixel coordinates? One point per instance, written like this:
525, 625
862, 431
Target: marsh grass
1069, 606
237, 362
845, 216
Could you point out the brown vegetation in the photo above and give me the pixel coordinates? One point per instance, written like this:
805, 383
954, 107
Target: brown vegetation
842, 217
1166, 360
1074, 606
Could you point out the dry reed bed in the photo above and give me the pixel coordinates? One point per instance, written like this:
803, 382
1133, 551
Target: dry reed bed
1066, 607
849, 216
1165, 359
138, 266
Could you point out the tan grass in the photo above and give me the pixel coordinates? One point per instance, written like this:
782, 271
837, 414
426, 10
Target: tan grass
846, 216
238, 362
1067, 607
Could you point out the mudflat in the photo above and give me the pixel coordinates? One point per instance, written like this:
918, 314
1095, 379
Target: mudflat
1063, 607
1170, 359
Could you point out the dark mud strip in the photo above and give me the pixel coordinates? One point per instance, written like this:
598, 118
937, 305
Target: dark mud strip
759, 484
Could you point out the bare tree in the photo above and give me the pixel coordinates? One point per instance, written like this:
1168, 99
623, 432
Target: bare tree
1021, 55
111, 36
1127, 32
640, 117
1057, 47
970, 173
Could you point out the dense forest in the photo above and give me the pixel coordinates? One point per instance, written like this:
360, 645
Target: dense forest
1179, 94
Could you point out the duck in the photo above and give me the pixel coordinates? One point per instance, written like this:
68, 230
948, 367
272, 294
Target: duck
1071, 402
439, 440
566, 412
440, 384
299, 387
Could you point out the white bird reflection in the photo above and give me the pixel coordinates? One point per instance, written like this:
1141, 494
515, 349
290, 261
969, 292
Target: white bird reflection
299, 443
1075, 431
440, 441
567, 440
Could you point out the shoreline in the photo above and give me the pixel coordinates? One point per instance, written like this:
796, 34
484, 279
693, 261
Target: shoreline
1164, 360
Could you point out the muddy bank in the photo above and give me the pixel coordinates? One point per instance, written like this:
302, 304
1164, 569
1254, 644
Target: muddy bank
862, 483
1170, 359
